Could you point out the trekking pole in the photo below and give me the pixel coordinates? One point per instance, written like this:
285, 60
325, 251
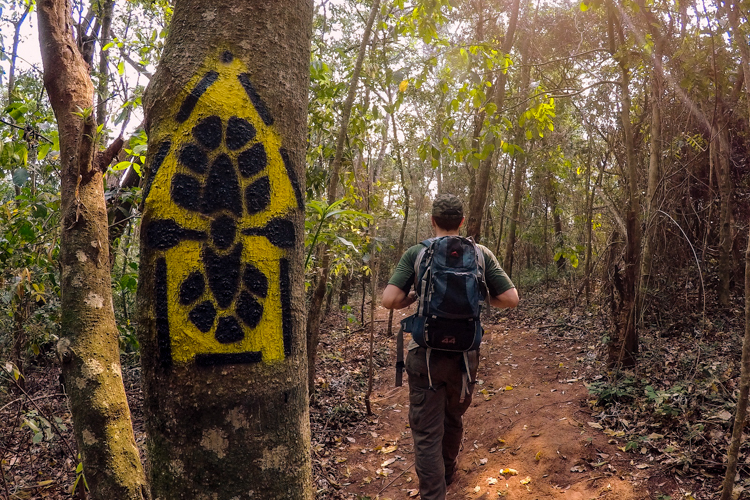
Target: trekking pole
400, 357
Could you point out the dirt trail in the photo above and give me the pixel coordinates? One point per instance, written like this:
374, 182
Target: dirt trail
528, 414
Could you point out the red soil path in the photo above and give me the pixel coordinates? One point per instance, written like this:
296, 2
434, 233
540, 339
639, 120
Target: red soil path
529, 413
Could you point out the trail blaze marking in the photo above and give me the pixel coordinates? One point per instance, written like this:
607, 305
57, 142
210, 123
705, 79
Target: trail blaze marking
219, 195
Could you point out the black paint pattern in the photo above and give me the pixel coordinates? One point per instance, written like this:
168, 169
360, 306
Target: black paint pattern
186, 191
161, 303
260, 106
239, 133
258, 195
208, 132
194, 158
192, 288
227, 57
223, 232
222, 190
285, 287
218, 359
255, 281
191, 100
209, 184
159, 158
203, 316
292, 173
163, 234
223, 273
280, 232
249, 310
229, 330
252, 161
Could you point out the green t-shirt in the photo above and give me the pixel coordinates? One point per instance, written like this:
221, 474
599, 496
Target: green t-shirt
496, 279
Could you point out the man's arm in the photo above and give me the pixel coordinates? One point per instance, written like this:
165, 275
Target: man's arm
508, 298
395, 298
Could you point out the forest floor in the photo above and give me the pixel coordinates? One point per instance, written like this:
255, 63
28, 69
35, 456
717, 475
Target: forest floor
544, 406
529, 414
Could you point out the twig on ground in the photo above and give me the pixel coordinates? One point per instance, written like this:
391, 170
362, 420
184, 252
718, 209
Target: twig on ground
35, 399
395, 478
50, 420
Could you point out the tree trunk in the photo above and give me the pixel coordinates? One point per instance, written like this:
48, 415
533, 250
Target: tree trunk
725, 214
515, 208
221, 293
741, 412
653, 173
314, 309
479, 198
88, 347
624, 348
107, 8
402, 234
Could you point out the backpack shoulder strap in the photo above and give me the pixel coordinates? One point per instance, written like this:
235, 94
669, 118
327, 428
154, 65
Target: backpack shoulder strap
420, 256
480, 254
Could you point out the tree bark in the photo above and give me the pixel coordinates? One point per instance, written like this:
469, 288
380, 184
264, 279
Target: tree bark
88, 347
314, 309
653, 172
479, 198
402, 233
221, 293
623, 349
515, 208
741, 412
107, 8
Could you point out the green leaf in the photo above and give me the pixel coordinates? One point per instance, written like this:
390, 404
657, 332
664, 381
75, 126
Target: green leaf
20, 176
121, 68
37, 438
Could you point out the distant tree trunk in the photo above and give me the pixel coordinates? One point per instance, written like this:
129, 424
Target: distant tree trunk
506, 188
479, 198
741, 411
624, 348
590, 222
515, 208
221, 292
88, 347
314, 309
106, 8
725, 213
654, 172
405, 187
344, 290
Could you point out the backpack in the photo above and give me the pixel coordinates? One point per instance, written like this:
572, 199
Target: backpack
449, 281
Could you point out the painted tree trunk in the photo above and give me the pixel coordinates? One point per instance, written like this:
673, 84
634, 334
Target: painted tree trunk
89, 347
221, 304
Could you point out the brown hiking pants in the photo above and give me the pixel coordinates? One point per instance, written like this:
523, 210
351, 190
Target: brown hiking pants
435, 415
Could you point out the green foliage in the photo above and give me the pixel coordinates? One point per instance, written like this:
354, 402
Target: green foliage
325, 224
607, 392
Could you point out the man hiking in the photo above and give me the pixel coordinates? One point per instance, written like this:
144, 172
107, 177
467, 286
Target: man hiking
453, 276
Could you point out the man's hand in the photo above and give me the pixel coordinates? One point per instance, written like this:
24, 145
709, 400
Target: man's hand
395, 298
508, 298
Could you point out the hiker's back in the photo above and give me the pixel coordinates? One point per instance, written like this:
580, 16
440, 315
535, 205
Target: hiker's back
449, 282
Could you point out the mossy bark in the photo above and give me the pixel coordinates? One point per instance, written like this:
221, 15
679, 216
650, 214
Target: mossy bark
227, 416
89, 345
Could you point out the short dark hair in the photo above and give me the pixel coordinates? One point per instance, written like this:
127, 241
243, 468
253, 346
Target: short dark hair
448, 223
